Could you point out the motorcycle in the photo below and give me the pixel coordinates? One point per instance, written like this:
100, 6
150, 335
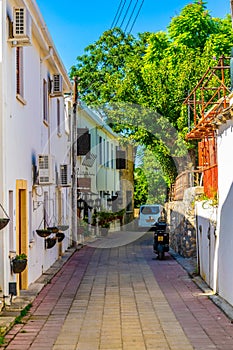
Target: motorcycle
161, 239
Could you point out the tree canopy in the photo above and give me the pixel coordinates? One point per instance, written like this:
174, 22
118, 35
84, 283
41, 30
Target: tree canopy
139, 83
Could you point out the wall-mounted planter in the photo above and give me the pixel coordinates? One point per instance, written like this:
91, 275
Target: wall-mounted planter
43, 233
50, 242
19, 265
60, 236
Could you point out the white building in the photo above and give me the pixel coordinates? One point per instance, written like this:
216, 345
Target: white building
225, 217
33, 127
98, 173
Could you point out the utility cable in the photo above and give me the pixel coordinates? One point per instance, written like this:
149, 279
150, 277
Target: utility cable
122, 7
131, 16
116, 14
126, 12
136, 16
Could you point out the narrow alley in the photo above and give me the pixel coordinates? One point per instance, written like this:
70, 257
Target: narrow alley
122, 298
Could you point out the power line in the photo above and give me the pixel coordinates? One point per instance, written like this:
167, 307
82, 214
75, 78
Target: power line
131, 16
116, 14
136, 16
120, 11
126, 12
122, 7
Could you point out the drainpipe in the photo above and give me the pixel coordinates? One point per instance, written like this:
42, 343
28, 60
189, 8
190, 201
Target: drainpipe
74, 170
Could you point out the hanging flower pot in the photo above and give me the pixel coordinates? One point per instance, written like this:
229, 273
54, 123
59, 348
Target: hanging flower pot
19, 263
53, 229
62, 227
50, 242
4, 221
43, 232
60, 236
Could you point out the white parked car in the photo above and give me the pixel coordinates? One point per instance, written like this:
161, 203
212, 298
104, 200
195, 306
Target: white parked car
149, 214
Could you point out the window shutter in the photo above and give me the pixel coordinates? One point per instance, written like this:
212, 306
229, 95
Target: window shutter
83, 141
120, 160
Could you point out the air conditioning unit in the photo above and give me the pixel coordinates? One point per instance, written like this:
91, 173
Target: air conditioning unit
65, 175
46, 169
21, 27
57, 85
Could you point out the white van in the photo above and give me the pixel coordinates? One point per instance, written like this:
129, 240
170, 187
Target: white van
149, 214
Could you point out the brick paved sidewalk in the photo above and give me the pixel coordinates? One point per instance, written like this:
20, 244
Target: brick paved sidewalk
122, 298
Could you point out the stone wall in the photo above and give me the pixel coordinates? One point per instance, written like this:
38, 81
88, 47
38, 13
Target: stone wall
182, 223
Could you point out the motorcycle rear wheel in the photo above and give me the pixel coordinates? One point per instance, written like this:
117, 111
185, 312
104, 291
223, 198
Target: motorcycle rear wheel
161, 255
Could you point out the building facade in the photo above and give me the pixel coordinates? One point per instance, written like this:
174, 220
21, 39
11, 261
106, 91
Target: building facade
34, 136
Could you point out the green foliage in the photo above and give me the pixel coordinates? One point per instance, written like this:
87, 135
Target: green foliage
140, 187
192, 26
23, 313
106, 217
155, 72
21, 257
2, 340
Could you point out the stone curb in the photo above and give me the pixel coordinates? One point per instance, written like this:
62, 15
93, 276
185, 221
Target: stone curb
11, 312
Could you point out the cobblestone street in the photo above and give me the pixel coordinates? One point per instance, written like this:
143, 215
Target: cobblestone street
122, 298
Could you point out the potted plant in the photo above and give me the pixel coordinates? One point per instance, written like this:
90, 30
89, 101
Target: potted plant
19, 263
43, 232
104, 220
53, 229
3, 220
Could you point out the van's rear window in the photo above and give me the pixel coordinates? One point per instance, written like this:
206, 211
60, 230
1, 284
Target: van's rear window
150, 210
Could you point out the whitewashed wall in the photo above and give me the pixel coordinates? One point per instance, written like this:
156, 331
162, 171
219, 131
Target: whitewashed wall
225, 215
207, 241
23, 136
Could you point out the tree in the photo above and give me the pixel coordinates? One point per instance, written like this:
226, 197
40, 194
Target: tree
140, 187
153, 72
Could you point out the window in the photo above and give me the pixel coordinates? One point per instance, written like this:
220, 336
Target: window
107, 162
112, 157
100, 150
104, 152
58, 117
19, 71
45, 101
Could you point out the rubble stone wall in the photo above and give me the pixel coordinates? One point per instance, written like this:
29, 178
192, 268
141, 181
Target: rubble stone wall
182, 223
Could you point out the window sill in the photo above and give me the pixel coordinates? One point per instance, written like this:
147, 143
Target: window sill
21, 99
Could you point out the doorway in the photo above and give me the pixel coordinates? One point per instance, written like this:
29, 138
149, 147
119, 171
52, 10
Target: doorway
21, 229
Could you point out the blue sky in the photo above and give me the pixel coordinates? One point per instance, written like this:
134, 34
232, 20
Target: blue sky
73, 25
